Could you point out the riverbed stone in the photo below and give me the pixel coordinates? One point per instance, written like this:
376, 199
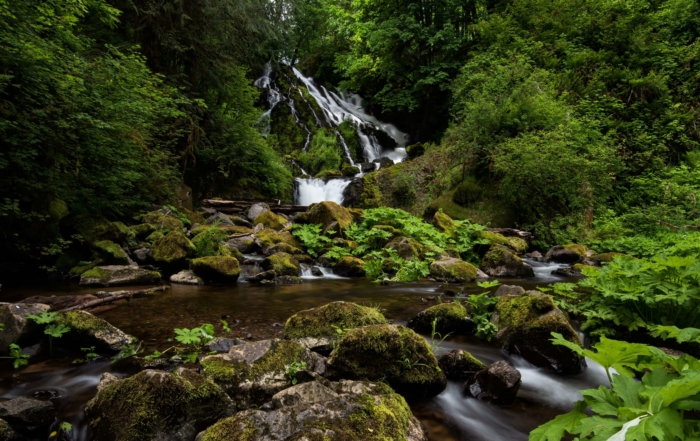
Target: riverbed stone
564, 254
19, 329
163, 220
186, 277
325, 321
327, 212
110, 253
256, 210
509, 291
172, 251
223, 344
283, 264
348, 266
391, 353
517, 244
450, 318
501, 261
499, 383
525, 326
346, 410
271, 220
460, 365
245, 243
450, 269
87, 330
28, 413
154, 405
119, 275
216, 268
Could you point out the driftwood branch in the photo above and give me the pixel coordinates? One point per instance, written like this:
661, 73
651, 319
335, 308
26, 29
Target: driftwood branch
110, 297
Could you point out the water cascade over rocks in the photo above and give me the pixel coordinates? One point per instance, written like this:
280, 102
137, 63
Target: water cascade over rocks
313, 107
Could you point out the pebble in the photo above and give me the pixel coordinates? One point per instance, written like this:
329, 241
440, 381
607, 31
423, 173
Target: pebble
249, 336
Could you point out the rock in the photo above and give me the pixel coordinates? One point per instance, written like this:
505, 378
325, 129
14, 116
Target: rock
216, 268
415, 150
501, 261
395, 354
163, 220
509, 291
352, 195
119, 275
287, 280
105, 380
384, 162
142, 231
327, 175
316, 271
173, 250
267, 237
220, 219
535, 255
282, 264
245, 244
19, 329
608, 257
155, 405
91, 228
87, 330
349, 266
110, 253
324, 321
347, 410
28, 413
525, 326
568, 271
142, 255
8, 434
459, 365
512, 232
223, 344
186, 277
349, 171
253, 372
516, 244
282, 248
256, 210
451, 318
271, 220
406, 247
367, 167
499, 383
444, 222
564, 254
327, 212
450, 269
480, 275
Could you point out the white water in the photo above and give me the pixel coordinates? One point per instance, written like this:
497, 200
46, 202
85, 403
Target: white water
312, 190
327, 273
543, 270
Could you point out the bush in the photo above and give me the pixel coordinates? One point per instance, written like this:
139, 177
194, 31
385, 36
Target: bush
323, 153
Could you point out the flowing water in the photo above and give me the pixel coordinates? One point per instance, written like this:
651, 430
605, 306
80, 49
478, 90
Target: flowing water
261, 312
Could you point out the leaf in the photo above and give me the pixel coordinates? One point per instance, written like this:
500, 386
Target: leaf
599, 426
602, 401
680, 388
56, 331
554, 430
188, 336
621, 435
628, 390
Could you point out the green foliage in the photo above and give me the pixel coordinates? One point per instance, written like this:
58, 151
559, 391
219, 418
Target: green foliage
311, 237
436, 338
480, 309
43, 318
208, 242
52, 329
653, 408
90, 354
225, 326
323, 153
293, 369
18, 358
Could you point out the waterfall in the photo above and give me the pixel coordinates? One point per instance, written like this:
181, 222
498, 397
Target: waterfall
311, 190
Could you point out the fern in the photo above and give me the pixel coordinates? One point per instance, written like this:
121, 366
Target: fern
311, 237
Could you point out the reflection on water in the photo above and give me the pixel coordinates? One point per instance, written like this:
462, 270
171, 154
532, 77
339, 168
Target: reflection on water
262, 311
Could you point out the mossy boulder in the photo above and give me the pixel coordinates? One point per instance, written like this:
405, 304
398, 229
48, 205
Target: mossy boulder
155, 236
348, 266
142, 231
329, 174
561, 254
395, 232
415, 150
91, 228
244, 243
216, 268
173, 250
525, 325
444, 222
110, 253
271, 220
450, 318
349, 171
324, 321
466, 193
154, 405
450, 269
87, 330
283, 264
282, 247
346, 410
391, 353
514, 243
501, 261
118, 275
163, 220
252, 373
327, 212
268, 237
460, 365
406, 247
18, 329
8, 434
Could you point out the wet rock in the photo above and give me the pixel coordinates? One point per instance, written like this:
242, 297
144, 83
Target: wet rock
449, 317
346, 410
110, 253
19, 329
186, 277
271, 220
173, 250
525, 326
501, 261
352, 195
535, 255
119, 275
106, 379
509, 291
384, 162
393, 353
28, 414
163, 220
87, 330
450, 269
244, 243
316, 271
8, 434
514, 243
223, 269
282, 248
459, 365
367, 167
480, 275
155, 405
324, 321
257, 209
327, 212
564, 254
267, 237
142, 255
287, 280
349, 266
283, 264
499, 383
223, 344
568, 271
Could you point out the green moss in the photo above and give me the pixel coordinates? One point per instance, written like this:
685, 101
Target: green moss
270, 220
82, 269
349, 171
83, 322
58, 209
110, 252
193, 217
92, 228
155, 236
520, 311
216, 268
472, 362
515, 243
415, 150
371, 196
162, 221
454, 311
236, 428
283, 264
323, 321
581, 250
96, 273
350, 266
453, 270
173, 249
143, 231
328, 174
444, 222
608, 257
327, 212
406, 247
269, 237
466, 193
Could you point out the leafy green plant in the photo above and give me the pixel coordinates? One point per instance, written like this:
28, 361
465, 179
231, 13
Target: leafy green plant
18, 358
294, 368
480, 307
436, 338
90, 354
225, 326
207, 243
311, 237
53, 330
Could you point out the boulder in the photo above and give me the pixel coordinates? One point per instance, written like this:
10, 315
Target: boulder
406, 247
327, 212
110, 253
450, 318
535, 255
509, 291
256, 210
347, 410
267, 237
271, 220
119, 275
244, 243
348, 266
384, 162
499, 383
186, 277
155, 405
163, 220
142, 255
282, 264
525, 326
282, 248
516, 244
18, 329
391, 353
142, 231
459, 365
607, 257
323, 322
173, 250
8, 434
565, 254
216, 268
444, 222
329, 174
223, 344
220, 219
367, 167
28, 414
349, 171
106, 379
415, 150
87, 330
91, 228
252, 373
352, 195
501, 261
450, 269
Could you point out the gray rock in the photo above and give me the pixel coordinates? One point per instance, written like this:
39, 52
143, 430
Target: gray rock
105, 380
499, 383
142, 255
384, 162
28, 413
560, 254
509, 290
367, 167
459, 365
245, 243
535, 255
222, 218
480, 275
186, 277
323, 345
223, 344
352, 195
87, 330
256, 209
18, 329
501, 261
118, 275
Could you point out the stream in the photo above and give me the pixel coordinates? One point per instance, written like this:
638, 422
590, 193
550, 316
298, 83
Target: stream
259, 312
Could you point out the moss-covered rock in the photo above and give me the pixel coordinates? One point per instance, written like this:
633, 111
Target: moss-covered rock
18, 329
267, 237
110, 253
395, 354
459, 365
270, 220
283, 247
450, 269
118, 275
501, 261
608, 257
155, 405
228, 229
216, 268
327, 212
561, 254
329, 174
348, 266
91, 228
79, 270
406, 247
515, 243
347, 410
349, 171
324, 321
449, 318
466, 193
163, 220
283, 264
443, 222
415, 150
87, 330
173, 250
155, 236
142, 231
525, 326
7, 433
581, 250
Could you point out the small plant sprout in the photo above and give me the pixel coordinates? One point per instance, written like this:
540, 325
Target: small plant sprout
53, 329
225, 326
19, 358
436, 338
90, 355
293, 369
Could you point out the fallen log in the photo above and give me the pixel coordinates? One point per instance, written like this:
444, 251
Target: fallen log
241, 205
109, 297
